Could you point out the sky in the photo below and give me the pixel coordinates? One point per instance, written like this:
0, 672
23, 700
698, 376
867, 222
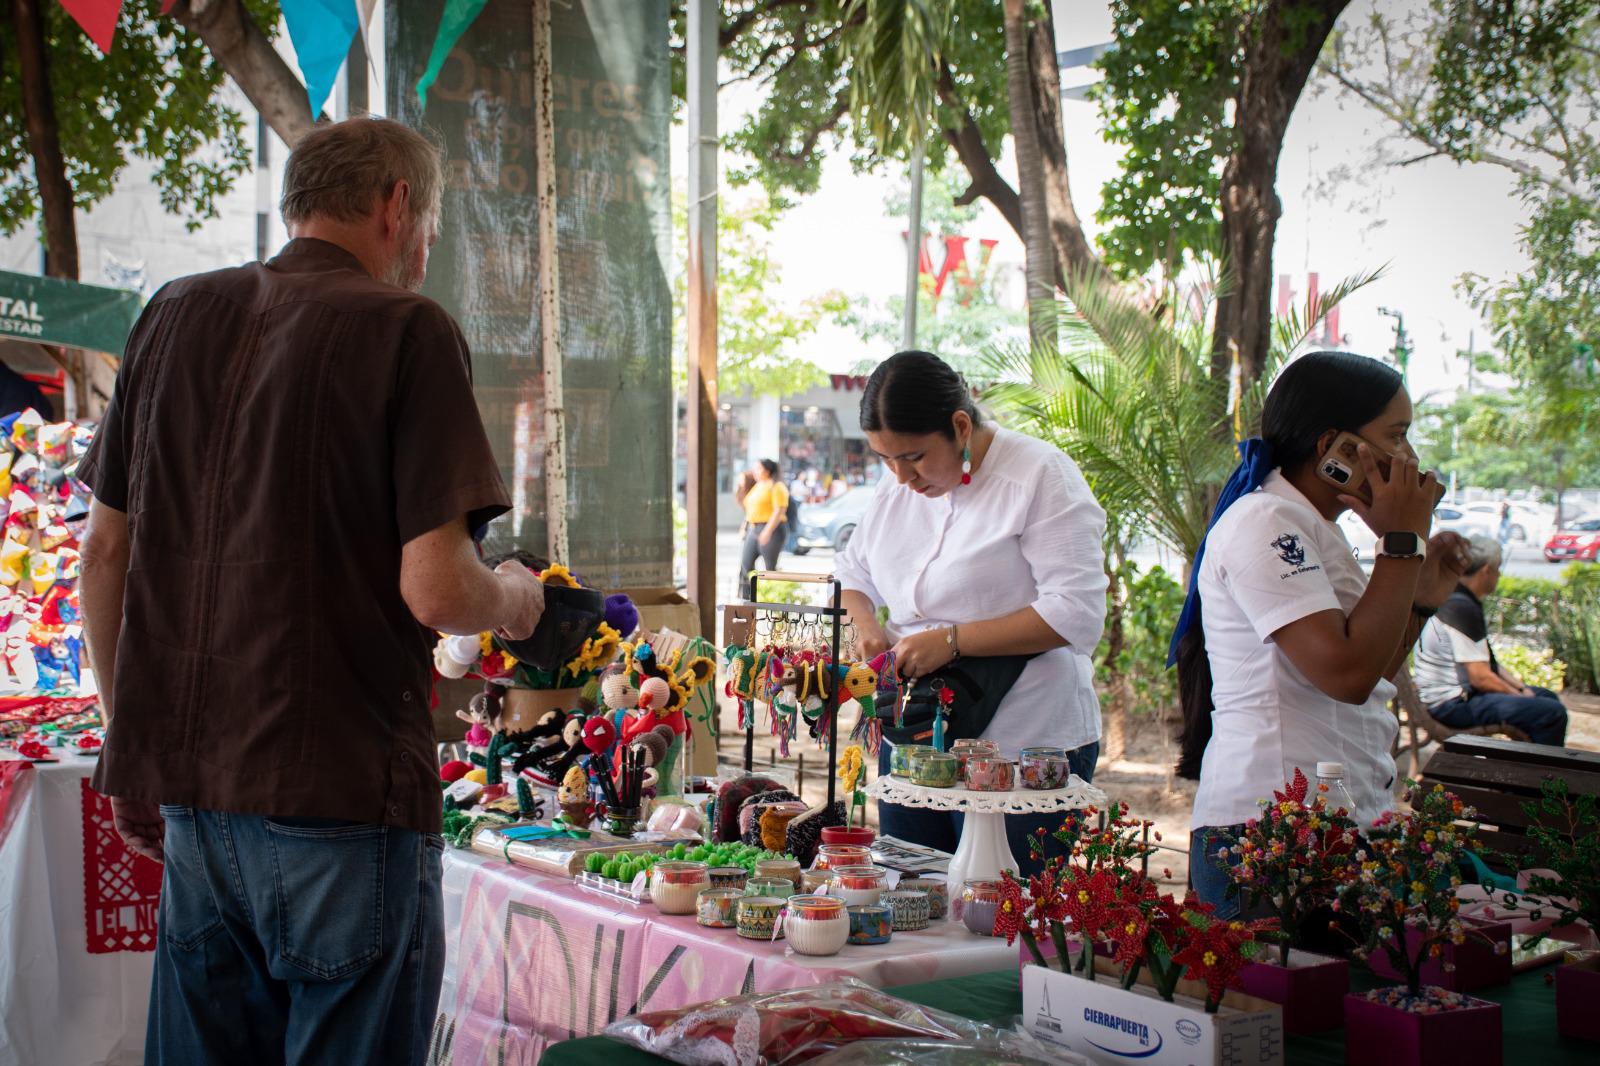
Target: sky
1424, 224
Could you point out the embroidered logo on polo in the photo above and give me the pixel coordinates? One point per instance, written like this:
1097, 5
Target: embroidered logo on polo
1291, 551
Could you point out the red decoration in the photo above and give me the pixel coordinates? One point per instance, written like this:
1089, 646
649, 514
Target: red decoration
121, 890
599, 734
454, 771
98, 18
11, 776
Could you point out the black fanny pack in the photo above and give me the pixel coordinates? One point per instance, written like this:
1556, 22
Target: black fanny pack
977, 685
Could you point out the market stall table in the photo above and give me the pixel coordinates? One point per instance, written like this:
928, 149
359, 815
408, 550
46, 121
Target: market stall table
1527, 1015
533, 959
60, 1001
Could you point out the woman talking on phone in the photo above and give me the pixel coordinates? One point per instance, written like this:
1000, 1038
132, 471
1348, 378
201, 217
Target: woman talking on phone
1285, 647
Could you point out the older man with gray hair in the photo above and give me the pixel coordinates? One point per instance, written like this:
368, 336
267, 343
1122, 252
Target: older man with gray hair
1458, 677
286, 488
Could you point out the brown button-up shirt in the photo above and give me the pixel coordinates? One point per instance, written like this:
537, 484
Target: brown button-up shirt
277, 433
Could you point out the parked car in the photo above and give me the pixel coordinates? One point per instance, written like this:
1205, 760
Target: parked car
1450, 519
831, 524
1576, 540
1527, 523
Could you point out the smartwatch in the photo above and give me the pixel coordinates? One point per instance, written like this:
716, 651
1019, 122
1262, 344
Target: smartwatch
1401, 546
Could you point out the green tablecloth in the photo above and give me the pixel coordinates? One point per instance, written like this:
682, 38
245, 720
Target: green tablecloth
1527, 1017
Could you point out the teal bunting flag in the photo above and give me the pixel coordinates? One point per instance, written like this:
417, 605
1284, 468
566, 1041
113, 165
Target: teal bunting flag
458, 15
321, 31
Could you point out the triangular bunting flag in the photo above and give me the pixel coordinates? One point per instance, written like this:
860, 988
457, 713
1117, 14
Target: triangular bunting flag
321, 31
98, 19
458, 15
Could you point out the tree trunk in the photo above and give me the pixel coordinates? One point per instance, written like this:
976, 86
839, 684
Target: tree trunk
44, 142
1114, 732
239, 46
1075, 256
1037, 245
1283, 44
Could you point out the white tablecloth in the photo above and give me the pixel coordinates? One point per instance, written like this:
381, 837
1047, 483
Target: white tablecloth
60, 1005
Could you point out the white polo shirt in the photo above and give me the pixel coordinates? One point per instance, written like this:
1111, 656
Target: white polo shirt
1270, 560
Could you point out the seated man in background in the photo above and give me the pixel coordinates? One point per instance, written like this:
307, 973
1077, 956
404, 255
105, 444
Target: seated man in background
1458, 677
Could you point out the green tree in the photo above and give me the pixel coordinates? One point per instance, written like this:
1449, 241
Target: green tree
967, 316
758, 341
71, 119
857, 75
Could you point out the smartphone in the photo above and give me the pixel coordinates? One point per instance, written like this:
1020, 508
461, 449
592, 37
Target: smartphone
1341, 467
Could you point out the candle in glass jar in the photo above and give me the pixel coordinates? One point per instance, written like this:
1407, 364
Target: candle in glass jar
964, 749
676, 886
787, 869
900, 758
717, 908
858, 885
990, 773
1044, 768
980, 903
935, 769
830, 856
816, 925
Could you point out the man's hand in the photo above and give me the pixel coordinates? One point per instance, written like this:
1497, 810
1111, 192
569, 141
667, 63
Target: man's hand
141, 826
1441, 570
527, 593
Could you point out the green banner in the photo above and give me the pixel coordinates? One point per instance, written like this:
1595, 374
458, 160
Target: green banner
612, 90
57, 311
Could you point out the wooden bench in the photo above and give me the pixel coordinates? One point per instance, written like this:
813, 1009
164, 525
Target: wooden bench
1496, 777
1418, 728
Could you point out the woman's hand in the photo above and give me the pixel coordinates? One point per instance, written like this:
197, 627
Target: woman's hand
871, 640
922, 653
1441, 570
1403, 502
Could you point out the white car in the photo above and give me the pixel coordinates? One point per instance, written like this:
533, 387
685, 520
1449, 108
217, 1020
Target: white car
1528, 523
1452, 519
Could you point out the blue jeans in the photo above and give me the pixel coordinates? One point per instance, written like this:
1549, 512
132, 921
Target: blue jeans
942, 829
295, 940
1542, 716
1208, 872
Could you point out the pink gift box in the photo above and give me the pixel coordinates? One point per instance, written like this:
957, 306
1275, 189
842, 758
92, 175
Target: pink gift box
1578, 999
1378, 1033
1309, 989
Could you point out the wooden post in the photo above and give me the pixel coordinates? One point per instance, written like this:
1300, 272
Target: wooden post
544, 164
701, 341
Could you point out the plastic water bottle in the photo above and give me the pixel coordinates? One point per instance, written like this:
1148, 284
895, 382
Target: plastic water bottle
1332, 775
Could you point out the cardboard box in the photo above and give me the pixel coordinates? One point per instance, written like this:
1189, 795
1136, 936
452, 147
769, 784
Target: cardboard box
663, 608
1101, 1021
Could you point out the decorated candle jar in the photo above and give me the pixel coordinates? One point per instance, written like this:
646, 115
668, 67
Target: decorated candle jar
775, 887
676, 886
816, 925
758, 917
861, 836
964, 749
718, 908
871, 923
910, 907
990, 773
830, 856
858, 885
787, 869
900, 758
935, 769
938, 891
980, 901
729, 877
813, 879
1044, 768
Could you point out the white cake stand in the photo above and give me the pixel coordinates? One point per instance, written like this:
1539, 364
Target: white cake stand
984, 850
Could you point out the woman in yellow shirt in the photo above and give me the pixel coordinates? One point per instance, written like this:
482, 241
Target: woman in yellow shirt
765, 507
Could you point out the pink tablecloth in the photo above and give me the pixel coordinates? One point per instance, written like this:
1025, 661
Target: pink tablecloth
533, 960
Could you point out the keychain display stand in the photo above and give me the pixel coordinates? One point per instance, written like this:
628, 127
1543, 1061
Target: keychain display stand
984, 851
834, 614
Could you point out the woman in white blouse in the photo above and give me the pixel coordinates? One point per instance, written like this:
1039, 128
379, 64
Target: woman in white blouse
984, 542
1285, 647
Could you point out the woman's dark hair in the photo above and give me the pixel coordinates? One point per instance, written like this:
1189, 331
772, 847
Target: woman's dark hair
1315, 393
915, 393
771, 467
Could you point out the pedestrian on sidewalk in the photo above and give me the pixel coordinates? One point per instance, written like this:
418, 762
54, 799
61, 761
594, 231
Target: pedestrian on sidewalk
286, 486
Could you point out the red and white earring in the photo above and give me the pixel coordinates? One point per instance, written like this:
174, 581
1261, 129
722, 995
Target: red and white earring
966, 466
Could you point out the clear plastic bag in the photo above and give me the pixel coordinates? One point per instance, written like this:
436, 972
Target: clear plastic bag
804, 1024
998, 1048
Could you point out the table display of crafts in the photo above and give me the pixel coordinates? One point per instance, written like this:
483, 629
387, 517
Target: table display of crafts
43, 510
590, 722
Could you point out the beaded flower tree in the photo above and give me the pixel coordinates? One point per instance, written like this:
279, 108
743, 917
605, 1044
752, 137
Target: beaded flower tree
1103, 891
1405, 880
1293, 859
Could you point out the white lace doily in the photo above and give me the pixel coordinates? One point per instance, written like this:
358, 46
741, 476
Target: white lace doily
1077, 794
